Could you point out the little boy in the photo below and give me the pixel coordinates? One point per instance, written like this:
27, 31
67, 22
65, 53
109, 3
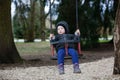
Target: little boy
62, 28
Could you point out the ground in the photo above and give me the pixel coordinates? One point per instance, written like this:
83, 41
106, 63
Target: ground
44, 58
103, 51
95, 64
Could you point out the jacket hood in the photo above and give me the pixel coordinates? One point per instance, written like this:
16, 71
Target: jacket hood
64, 24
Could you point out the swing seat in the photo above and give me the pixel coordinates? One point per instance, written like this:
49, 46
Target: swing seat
66, 57
68, 38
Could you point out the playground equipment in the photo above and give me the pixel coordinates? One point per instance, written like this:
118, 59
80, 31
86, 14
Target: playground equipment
68, 38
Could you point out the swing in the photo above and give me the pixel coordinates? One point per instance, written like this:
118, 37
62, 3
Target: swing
68, 38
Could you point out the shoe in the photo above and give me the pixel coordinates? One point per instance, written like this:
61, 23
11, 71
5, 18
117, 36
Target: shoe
76, 68
61, 69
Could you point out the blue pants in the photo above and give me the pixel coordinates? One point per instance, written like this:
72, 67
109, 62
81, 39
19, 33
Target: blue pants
71, 52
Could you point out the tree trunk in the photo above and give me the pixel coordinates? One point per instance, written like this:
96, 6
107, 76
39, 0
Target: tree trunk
31, 26
8, 51
42, 21
117, 42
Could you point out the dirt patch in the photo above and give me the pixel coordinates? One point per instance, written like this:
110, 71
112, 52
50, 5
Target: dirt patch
44, 59
95, 64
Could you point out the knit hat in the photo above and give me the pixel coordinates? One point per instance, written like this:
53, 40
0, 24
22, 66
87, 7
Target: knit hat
64, 24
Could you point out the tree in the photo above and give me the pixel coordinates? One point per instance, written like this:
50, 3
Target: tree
20, 19
43, 17
68, 13
88, 19
29, 19
117, 42
31, 25
8, 51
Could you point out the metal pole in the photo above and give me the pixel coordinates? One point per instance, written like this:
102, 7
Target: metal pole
79, 47
52, 47
50, 18
77, 14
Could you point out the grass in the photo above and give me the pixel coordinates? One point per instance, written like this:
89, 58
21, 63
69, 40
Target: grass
39, 47
33, 48
104, 41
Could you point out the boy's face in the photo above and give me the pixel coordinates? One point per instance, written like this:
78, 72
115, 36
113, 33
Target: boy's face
61, 30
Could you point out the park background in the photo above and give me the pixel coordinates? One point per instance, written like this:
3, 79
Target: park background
30, 21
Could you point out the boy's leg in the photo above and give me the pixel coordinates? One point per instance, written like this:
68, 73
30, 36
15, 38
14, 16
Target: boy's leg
61, 54
73, 53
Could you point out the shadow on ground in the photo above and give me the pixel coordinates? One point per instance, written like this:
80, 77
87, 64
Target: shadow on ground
104, 51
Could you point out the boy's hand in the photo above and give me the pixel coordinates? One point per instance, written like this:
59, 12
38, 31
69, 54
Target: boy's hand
52, 36
77, 32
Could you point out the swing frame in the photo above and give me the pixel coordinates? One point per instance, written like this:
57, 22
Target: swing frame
74, 39
54, 57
